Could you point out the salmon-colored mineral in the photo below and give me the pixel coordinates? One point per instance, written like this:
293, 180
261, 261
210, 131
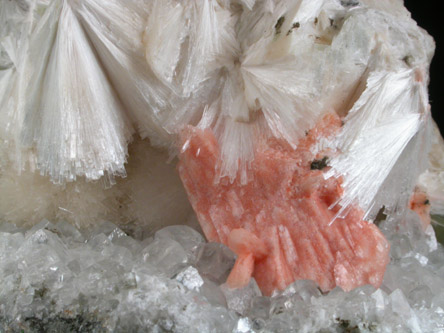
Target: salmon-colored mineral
281, 224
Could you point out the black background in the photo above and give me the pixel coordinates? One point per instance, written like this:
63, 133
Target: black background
429, 14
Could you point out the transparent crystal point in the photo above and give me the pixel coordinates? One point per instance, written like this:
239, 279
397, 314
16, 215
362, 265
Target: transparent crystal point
215, 261
187, 237
240, 299
166, 255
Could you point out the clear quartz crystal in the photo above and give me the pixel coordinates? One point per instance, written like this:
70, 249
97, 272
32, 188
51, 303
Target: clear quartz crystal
213, 293
215, 261
190, 278
166, 255
244, 325
240, 299
187, 237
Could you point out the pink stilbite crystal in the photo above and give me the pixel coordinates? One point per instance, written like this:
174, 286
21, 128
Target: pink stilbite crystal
279, 223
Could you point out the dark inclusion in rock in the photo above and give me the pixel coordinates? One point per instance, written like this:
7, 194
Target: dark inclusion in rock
319, 164
349, 3
79, 323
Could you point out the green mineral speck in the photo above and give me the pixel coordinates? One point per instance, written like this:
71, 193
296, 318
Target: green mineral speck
319, 164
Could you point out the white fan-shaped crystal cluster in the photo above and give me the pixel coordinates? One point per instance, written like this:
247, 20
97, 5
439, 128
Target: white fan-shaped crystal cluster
80, 77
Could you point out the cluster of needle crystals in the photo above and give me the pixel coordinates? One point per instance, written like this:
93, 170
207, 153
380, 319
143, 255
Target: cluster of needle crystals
299, 132
80, 77
56, 278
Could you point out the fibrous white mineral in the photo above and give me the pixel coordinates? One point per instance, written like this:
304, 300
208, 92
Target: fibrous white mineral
239, 68
93, 95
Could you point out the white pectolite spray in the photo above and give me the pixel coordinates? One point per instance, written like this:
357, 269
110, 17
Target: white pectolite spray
80, 78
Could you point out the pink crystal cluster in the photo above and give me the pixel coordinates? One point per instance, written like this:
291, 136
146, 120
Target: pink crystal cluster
280, 223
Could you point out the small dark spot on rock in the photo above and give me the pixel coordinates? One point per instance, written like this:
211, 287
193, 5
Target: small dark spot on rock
58, 323
408, 59
41, 292
319, 164
373, 327
279, 310
381, 216
346, 327
323, 292
279, 24
258, 323
294, 26
316, 20
427, 202
349, 3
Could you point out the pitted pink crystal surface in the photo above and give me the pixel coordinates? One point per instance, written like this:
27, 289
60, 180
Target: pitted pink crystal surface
279, 223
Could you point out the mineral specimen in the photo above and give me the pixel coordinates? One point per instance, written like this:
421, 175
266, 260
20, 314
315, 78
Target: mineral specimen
298, 124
